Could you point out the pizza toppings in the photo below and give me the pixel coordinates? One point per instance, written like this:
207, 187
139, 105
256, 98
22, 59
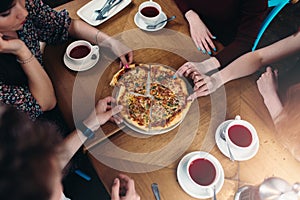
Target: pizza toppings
152, 98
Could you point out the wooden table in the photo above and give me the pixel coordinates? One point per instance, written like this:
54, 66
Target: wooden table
155, 158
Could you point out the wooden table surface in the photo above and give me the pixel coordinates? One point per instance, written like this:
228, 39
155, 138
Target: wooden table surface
149, 159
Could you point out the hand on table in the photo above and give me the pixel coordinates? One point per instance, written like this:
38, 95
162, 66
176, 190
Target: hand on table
200, 34
123, 189
102, 113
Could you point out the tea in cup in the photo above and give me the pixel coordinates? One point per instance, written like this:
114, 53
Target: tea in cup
241, 135
81, 51
149, 12
203, 170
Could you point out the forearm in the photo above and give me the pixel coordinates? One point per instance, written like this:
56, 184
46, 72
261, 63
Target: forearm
72, 143
76, 139
39, 82
243, 66
81, 30
252, 61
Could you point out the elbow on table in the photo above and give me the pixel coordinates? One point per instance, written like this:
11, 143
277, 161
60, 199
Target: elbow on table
49, 104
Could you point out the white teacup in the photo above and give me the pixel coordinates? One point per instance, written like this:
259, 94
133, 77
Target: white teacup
81, 51
240, 135
203, 170
149, 12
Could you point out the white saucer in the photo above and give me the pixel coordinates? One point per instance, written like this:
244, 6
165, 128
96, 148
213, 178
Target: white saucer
141, 24
83, 66
240, 156
187, 185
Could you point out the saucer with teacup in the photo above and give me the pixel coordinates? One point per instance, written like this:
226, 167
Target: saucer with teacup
239, 137
150, 13
199, 173
81, 55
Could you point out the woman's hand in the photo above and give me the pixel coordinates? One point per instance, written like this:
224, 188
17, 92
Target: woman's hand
119, 49
123, 189
126, 58
80, 29
200, 34
189, 69
203, 85
102, 113
9, 43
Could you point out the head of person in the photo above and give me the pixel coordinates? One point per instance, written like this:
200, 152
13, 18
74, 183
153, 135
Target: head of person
12, 15
29, 157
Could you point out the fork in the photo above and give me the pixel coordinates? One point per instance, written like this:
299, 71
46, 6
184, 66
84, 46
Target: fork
104, 13
107, 3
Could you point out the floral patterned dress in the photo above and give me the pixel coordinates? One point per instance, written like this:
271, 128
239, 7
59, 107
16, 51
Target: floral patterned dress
42, 24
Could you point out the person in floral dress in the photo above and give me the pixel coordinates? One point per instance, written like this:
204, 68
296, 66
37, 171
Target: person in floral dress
23, 25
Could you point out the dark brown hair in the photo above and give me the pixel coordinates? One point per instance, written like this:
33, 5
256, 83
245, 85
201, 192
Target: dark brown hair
5, 5
27, 150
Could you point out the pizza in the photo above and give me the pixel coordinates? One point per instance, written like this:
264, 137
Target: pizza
153, 98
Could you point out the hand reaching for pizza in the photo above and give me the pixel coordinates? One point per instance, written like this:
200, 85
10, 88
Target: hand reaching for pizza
203, 85
120, 50
102, 113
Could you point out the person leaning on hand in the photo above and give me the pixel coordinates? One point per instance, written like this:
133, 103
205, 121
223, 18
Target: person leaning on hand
33, 155
23, 25
234, 23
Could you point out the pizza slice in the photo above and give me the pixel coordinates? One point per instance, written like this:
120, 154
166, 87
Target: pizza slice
133, 78
136, 108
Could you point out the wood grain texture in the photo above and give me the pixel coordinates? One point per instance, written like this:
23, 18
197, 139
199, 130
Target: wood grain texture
129, 150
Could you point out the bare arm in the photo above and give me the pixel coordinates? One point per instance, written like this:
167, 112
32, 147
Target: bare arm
242, 66
81, 30
39, 83
251, 62
101, 114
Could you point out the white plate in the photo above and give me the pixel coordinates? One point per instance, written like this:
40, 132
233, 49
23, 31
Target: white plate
141, 24
240, 156
187, 185
152, 132
88, 14
83, 66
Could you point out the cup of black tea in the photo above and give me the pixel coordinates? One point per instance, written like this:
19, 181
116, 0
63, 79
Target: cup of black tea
80, 52
240, 135
149, 11
203, 170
